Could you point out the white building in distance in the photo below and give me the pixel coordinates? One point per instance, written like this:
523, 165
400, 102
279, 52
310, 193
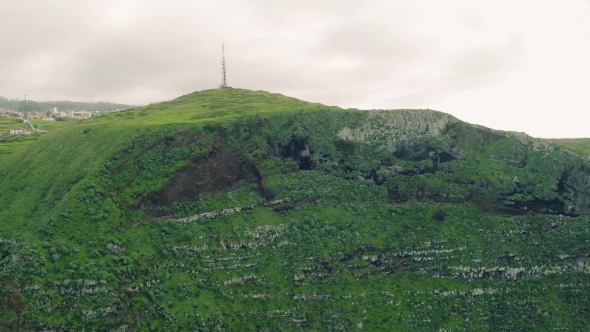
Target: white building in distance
18, 132
79, 114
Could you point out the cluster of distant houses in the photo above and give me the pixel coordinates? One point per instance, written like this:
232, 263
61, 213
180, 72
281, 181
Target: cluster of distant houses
54, 114
37, 115
79, 115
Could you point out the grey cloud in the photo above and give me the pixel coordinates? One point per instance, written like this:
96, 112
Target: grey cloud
487, 63
472, 21
468, 69
121, 66
283, 46
372, 40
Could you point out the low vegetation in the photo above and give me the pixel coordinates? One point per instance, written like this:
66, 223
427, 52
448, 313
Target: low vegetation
12, 144
9, 123
49, 126
229, 210
579, 145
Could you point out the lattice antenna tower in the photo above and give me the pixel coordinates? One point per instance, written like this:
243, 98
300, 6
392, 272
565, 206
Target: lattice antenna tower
223, 82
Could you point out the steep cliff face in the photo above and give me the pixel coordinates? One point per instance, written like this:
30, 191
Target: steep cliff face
387, 128
559, 184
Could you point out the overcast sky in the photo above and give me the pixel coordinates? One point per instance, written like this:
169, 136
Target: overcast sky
513, 65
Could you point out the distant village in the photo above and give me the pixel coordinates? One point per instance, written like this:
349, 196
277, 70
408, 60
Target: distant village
52, 115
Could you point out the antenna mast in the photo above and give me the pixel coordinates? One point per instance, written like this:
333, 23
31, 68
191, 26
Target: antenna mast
223, 82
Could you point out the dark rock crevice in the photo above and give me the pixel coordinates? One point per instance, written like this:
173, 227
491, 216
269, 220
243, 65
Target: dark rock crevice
420, 152
497, 204
298, 149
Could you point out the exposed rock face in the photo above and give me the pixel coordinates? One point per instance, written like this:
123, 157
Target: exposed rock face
508, 273
552, 181
447, 160
390, 127
298, 149
574, 185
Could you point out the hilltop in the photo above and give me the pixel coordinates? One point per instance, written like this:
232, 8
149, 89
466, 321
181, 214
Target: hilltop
232, 209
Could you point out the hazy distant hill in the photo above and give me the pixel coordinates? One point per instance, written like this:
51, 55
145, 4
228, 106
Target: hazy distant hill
19, 105
237, 210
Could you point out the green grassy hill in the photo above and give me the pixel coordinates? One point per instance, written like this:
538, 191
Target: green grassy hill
9, 123
579, 145
11, 144
232, 210
49, 126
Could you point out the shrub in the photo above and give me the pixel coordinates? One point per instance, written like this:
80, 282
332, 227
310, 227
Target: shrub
187, 235
345, 147
439, 215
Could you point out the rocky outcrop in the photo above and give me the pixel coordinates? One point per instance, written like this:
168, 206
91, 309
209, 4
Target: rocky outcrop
505, 172
388, 128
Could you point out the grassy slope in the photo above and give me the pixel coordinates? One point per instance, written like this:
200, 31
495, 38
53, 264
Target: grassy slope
579, 145
48, 125
9, 145
55, 164
12, 144
9, 123
67, 198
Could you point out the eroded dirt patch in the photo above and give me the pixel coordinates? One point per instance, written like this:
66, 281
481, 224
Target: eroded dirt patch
221, 171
